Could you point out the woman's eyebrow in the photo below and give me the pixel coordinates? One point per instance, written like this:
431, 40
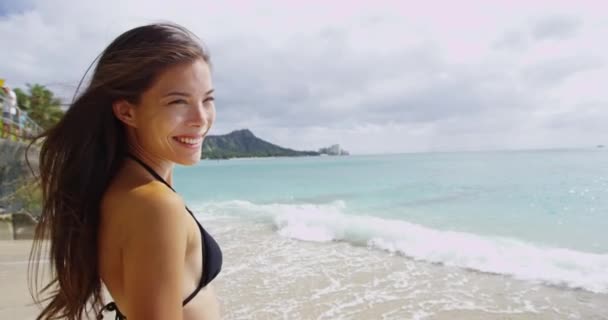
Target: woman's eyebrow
177, 93
185, 94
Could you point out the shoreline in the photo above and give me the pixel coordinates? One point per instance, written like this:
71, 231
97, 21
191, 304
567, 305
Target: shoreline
277, 277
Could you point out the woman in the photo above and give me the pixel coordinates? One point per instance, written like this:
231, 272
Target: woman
109, 211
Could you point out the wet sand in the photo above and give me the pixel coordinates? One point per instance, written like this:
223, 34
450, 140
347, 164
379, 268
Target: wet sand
266, 276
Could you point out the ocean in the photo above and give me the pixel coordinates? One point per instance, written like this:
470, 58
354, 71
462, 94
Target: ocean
475, 235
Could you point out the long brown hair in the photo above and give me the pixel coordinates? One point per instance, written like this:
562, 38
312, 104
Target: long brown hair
82, 153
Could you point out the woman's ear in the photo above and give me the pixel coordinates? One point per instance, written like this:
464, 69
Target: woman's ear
125, 112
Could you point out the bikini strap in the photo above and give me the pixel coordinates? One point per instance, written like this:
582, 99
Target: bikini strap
111, 307
156, 175
150, 170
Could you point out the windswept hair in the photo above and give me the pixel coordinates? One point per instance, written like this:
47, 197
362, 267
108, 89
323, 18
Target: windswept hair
81, 154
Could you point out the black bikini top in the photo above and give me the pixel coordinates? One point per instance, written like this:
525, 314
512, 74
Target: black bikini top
212, 254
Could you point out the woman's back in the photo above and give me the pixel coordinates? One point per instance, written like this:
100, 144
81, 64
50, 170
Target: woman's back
136, 211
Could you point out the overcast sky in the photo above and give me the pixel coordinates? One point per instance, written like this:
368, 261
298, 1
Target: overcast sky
373, 76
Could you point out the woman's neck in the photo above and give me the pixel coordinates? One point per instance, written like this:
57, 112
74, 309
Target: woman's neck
161, 167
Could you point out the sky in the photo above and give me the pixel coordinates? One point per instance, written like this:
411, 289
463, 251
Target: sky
372, 76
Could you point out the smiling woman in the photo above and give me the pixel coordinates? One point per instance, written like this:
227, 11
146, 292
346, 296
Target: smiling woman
109, 210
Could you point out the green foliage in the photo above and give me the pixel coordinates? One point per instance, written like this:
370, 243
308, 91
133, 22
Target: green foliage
41, 105
23, 99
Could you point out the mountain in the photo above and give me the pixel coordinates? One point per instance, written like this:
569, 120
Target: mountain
243, 143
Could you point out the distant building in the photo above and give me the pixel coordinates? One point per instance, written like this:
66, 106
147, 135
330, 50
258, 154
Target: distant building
334, 150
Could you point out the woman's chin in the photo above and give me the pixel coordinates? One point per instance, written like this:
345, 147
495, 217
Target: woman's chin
190, 159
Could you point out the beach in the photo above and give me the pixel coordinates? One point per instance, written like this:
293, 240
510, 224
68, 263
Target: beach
497, 235
266, 276
489, 235
270, 277
15, 300
353, 160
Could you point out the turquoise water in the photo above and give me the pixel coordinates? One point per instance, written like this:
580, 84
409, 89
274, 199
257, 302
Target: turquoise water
486, 211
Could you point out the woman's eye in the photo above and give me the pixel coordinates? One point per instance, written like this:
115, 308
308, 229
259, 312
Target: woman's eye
179, 101
209, 99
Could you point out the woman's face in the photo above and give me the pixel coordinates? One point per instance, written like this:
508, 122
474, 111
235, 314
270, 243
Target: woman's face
175, 114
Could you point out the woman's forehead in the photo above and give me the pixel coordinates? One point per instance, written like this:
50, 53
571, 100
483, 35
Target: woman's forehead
192, 78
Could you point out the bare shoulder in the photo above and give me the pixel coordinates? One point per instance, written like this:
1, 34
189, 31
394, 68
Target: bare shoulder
153, 213
143, 208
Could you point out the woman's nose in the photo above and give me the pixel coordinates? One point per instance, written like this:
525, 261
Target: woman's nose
199, 116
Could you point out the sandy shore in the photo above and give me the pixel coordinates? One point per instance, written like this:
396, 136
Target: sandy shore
265, 276
15, 299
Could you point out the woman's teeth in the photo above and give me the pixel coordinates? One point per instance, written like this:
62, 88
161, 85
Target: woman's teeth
188, 140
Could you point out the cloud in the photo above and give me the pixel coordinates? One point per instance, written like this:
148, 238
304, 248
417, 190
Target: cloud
551, 72
556, 27
389, 77
592, 114
512, 40
12, 7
